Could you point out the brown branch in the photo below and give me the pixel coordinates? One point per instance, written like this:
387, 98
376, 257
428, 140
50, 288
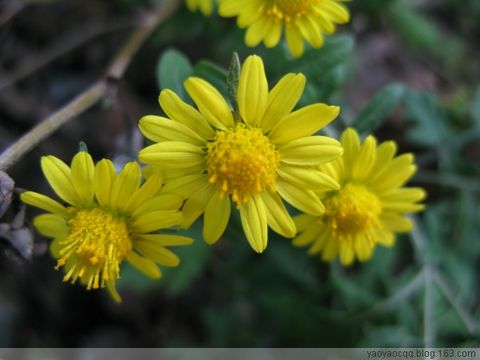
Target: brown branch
91, 95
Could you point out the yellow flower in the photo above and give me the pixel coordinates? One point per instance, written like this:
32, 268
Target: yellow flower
370, 206
302, 19
205, 6
108, 218
253, 157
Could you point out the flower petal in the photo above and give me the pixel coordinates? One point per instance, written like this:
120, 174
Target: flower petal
185, 114
149, 189
307, 177
294, 40
156, 220
158, 129
302, 199
217, 214
173, 154
45, 203
124, 185
252, 91
159, 254
210, 102
282, 99
83, 172
304, 122
166, 240
365, 159
51, 225
196, 205
311, 150
146, 266
254, 222
59, 177
167, 202
278, 217
103, 181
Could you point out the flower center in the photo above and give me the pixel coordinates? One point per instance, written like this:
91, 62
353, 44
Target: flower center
352, 210
242, 162
288, 10
97, 243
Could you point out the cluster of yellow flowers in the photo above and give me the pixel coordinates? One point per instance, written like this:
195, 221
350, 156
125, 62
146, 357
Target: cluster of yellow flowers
265, 20
350, 193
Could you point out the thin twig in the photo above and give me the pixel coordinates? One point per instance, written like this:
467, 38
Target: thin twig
12, 9
405, 293
66, 44
93, 94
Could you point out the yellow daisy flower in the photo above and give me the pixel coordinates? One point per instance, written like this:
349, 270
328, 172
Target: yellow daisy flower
253, 157
370, 206
108, 218
205, 6
302, 19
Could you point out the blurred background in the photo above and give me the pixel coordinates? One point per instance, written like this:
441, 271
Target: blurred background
406, 70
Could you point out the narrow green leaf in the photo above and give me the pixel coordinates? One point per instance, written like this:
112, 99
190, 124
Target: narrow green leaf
379, 108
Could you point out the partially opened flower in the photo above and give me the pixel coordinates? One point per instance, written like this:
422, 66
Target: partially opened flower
253, 157
205, 6
370, 206
107, 218
302, 19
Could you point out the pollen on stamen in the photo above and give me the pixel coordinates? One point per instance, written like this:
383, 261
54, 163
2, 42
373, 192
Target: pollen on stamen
242, 162
351, 210
97, 243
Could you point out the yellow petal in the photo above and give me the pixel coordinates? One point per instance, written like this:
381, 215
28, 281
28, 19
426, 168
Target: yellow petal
112, 290
294, 41
156, 220
44, 202
346, 253
186, 185
396, 222
365, 159
321, 243
307, 177
351, 145
336, 12
157, 253
185, 114
146, 266
167, 202
363, 248
254, 222
384, 155
149, 189
103, 181
252, 91
304, 122
51, 225
311, 31
83, 172
307, 236
282, 99
278, 217
404, 195
166, 240
196, 205
59, 177
124, 185
158, 129
302, 199
272, 38
173, 154
304, 221
258, 30
311, 150
210, 102
217, 214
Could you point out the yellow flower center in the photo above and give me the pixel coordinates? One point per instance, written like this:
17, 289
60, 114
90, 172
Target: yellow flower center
97, 243
242, 162
289, 10
352, 210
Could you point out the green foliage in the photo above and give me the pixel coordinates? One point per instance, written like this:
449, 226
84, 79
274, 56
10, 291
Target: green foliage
173, 68
379, 108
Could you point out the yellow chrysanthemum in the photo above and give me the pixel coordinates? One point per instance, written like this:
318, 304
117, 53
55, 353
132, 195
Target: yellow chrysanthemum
205, 6
303, 20
254, 158
370, 206
108, 218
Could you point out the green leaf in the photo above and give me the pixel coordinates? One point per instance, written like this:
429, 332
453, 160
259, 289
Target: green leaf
429, 121
476, 107
379, 108
214, 74
172, 69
